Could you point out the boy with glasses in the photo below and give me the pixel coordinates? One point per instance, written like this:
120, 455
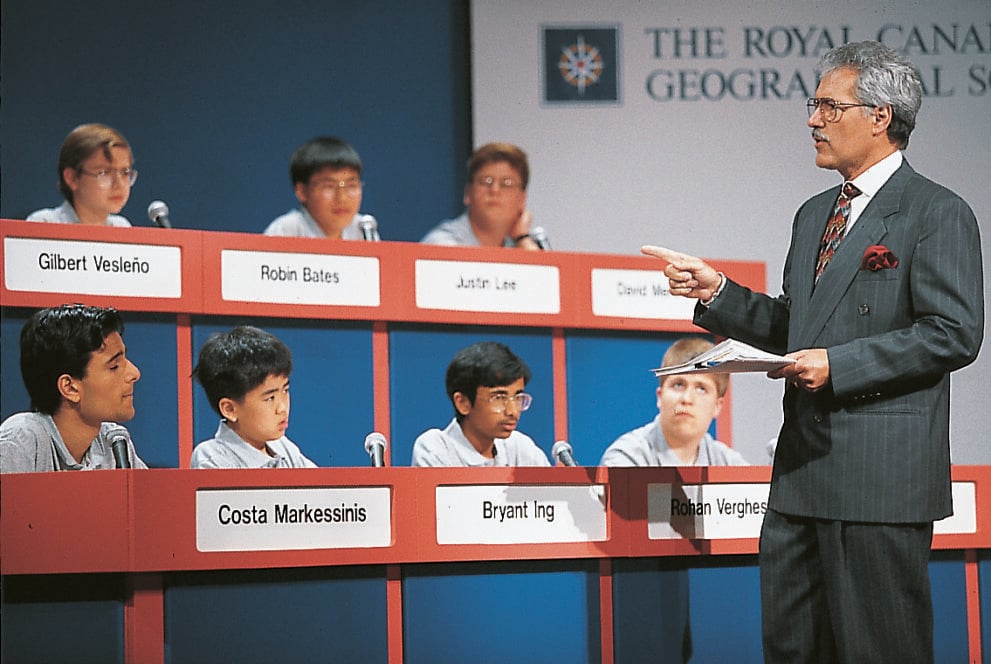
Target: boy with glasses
326, 178
485, 383
495, 203
95, 170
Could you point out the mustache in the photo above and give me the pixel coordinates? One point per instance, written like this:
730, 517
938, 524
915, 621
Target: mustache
819, 136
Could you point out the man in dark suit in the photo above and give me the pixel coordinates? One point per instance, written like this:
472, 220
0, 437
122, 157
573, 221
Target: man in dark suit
875, 326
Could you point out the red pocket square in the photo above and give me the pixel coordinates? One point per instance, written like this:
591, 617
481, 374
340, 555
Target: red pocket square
878, 257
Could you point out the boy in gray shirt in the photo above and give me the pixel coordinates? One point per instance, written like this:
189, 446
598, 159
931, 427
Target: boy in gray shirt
245, 374
81, 384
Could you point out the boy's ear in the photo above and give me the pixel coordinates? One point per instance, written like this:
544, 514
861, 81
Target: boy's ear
228, 409
461, 403
67, 387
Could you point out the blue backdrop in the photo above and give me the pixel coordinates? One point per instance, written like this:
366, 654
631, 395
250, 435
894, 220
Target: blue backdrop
215, 97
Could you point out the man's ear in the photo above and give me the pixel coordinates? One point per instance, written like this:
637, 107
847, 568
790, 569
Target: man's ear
68, 388
228, 409
461, 403
882, 119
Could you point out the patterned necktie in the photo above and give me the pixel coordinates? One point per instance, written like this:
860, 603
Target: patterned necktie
836, 227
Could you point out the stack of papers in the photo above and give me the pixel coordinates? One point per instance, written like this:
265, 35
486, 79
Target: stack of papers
730, 356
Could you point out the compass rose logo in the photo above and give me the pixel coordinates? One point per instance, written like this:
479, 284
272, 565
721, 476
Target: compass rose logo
581, 64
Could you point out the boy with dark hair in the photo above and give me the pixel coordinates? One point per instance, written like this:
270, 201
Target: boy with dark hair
686, 406
245, 374
326, 178
485, 384
81, 384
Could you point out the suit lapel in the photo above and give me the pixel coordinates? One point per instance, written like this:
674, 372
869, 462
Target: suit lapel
836, 279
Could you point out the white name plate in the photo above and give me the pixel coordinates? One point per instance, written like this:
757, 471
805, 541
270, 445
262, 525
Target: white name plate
491, 287
288, 278
520, 514
92, 268
292, 519
730, 511
637, 294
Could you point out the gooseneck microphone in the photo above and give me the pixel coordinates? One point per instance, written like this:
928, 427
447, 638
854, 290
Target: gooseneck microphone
562, 452
375, 444
368, 227
118, 445
539, 235
158, 212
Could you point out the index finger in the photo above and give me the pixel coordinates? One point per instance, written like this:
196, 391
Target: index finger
676, 258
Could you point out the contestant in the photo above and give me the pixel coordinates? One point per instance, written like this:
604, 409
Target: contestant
326, 177
81, 386
245, 374
883, 298
495, 203
686, 406
485, 383
96, 172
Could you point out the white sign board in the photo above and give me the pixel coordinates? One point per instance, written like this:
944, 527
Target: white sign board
520, 514
294, 278
490, 287
92, 268
291, 519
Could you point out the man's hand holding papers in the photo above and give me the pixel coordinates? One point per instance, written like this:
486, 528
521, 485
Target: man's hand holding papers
730, 356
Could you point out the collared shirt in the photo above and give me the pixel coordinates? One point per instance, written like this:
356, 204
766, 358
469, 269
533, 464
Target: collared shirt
646, 446
300, 223
870, 182
456, 232
66, 214
450, 447
229, 450
32, 443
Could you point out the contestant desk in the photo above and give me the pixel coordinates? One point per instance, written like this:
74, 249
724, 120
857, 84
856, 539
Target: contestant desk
395, 564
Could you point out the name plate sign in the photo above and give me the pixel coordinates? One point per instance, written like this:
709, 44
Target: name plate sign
731, 511
290, 278
293, 519
490, 287
520, 514
92, 268
637, 294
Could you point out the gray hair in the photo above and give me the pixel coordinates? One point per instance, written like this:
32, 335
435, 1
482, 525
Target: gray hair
884, 77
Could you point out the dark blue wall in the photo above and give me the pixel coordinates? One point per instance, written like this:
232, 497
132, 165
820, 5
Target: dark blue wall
215, 97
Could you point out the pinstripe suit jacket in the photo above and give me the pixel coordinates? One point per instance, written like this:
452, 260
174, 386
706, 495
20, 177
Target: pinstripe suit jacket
874, 445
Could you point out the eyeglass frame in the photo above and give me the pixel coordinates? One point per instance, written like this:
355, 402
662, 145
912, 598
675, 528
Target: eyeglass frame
490, 182
813, 104
500, 400
331, 187
106, 177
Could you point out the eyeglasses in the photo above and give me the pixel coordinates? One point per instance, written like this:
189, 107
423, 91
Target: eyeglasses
830, 108
501, 400
330, 188
106, 177
490, 182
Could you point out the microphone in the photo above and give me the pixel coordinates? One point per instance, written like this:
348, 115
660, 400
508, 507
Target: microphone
118, 445
539, 235
562, 452
375, 444
158, 212
368, 226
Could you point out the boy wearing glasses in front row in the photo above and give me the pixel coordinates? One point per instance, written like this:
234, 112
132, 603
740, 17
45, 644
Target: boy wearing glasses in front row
485, 383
